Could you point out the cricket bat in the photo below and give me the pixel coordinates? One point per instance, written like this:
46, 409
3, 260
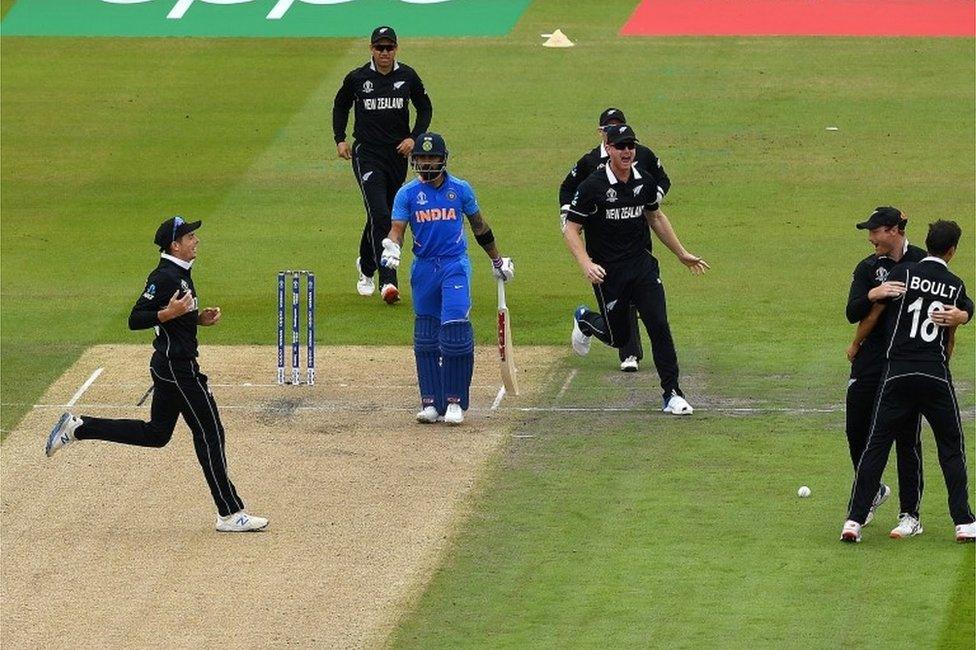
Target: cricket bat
505, 346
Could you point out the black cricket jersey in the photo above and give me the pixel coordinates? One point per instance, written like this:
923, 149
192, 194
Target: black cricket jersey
176, 338
612, 215
868, 274
381, 101
911, 335
597, 158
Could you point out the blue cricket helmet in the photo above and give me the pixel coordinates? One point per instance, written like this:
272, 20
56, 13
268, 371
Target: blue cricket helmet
429, 144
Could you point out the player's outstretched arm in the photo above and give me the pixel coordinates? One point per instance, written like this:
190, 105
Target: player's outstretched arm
661, 226
502, 267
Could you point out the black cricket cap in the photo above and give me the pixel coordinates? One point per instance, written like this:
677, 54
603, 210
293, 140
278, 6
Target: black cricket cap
381, 33
620, 133
884, 216
172, 229
612, 115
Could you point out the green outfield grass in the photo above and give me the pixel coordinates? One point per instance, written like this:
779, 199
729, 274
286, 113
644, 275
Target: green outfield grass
632, 530
617, 529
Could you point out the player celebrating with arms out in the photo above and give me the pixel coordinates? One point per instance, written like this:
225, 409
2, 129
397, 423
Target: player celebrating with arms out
616, 209
440, 277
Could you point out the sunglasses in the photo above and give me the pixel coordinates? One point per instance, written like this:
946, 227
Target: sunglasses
384, 48
177, 222
621, 146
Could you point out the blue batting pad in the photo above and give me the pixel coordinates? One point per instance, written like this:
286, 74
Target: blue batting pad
457, 355
426, 349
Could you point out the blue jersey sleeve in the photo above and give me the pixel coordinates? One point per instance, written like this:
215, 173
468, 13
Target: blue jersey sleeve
401, 205
468, 201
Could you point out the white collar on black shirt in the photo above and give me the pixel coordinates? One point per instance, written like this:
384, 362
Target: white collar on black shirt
603, 151
931, 258
372, 66
177, 261
613, 179
903, 250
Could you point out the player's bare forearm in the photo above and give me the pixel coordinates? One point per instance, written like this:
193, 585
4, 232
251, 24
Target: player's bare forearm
659, 223
573, 237
951, 341
396, 231
868, 323
480, 228
864, 328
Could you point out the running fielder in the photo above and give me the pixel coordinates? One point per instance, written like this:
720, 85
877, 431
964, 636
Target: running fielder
169, 305
440, 277
380, 93
596, 159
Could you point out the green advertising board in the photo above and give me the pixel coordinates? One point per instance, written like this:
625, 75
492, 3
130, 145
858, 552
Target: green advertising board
270, 18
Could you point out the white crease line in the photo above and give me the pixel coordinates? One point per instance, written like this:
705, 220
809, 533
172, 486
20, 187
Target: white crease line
569, 380
358, 407
85, 386
318, 384
498, 398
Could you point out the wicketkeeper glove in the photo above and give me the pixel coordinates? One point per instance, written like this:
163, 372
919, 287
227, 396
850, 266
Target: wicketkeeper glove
390, 258
503, 268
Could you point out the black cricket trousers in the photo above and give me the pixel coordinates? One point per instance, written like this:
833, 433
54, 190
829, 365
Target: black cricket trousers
638, 283
380, 172
179, 388
908, 390
862, 394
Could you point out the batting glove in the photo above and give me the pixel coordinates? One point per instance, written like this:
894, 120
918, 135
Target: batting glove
390, 257
503, 268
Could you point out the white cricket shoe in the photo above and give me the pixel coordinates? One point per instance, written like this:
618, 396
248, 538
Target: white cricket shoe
390, 293
629, 364
908, 526
883, 493
580, 341
365, 286
677, 405
240, 522
851, 532
428, 415
966, 532
454, 415
63, 433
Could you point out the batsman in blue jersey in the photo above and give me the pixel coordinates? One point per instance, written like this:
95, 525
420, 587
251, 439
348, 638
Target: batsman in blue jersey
440, 277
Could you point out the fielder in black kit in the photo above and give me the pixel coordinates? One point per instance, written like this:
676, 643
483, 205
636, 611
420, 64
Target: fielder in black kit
886, 232
632, 352
169, 304
919, 324
381, 92
616, 209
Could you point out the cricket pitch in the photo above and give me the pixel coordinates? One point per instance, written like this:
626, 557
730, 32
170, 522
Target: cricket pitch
108, 545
